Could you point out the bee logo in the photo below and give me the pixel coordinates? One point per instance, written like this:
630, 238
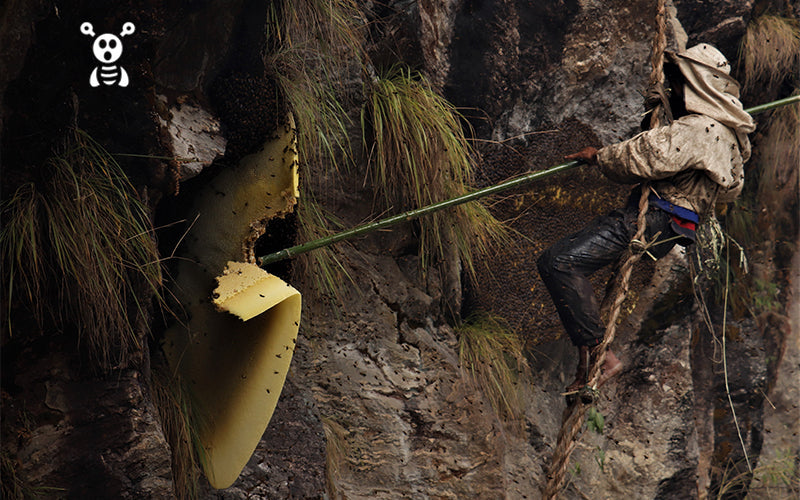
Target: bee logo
107, 49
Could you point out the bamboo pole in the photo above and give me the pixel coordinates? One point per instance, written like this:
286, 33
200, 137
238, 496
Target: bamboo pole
522, 180
772, 105
416, 213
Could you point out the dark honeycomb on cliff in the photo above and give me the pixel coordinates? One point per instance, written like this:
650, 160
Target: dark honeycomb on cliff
279, 233
509, 284
250, 109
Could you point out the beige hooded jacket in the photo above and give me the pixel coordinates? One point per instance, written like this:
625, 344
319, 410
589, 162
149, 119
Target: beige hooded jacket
698, 159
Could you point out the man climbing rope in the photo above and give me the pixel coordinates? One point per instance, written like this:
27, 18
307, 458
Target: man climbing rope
687, 166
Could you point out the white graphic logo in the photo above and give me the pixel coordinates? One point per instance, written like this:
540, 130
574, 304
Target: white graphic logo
107, 49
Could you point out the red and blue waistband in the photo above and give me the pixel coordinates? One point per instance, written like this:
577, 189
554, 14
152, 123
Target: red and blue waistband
684, 221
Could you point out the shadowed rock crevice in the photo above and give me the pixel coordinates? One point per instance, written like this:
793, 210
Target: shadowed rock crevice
499, 47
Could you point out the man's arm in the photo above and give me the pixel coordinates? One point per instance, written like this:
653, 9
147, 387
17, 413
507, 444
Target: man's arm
693, 142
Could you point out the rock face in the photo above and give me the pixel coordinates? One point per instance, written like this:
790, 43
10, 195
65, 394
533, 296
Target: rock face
377, 404
79, 435
720, 20
781, 425
388, 378
194, 138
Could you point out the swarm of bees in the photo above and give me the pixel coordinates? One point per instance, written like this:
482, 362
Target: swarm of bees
542, 214
249, 109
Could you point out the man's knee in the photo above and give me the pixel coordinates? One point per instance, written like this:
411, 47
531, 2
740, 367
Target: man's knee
546, 263
552, 263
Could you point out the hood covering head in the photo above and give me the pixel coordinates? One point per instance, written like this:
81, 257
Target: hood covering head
711, 91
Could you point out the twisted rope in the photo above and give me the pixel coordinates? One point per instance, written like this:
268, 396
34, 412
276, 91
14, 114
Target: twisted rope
572, 420
656, 82
574, 414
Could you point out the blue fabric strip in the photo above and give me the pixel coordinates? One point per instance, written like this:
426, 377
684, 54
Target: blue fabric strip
683, 213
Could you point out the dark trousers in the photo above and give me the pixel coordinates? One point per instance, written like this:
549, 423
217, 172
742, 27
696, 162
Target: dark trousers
566, 266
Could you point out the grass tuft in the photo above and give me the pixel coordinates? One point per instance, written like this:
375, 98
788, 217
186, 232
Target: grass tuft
173, 403
777, 478
12, 486
418, 155
325, 268
493, 358
335, 453
15, 487
770, 50
80, 243
314, 45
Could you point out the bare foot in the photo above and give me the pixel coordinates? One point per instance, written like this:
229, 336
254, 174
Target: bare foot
611, 367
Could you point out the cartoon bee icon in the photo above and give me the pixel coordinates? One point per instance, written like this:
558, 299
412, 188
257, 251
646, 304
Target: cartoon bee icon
107, 49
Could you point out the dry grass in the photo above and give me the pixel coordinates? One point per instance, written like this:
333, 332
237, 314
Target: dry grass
492, 357
175, 414
14, 487
419, 155
80, 243
769, 56
322, 265
335, 453
770, 51
315, 44
778, 478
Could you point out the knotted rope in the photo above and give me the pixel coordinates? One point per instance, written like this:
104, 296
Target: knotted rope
572, 420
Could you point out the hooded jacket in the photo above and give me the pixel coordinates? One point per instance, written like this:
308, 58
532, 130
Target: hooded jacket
698, 159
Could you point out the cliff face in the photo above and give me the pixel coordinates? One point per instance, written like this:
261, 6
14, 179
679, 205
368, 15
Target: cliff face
377, 403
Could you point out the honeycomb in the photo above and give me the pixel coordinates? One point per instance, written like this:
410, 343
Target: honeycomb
250, 110
509, 284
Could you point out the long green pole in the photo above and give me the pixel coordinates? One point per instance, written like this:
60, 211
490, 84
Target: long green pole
772, 105
414, 214
452, 202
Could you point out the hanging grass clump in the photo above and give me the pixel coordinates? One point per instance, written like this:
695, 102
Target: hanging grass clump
323, 266
78, 250
419, 155
493, 358
314, 45
769, 59
178, 422
770, 51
